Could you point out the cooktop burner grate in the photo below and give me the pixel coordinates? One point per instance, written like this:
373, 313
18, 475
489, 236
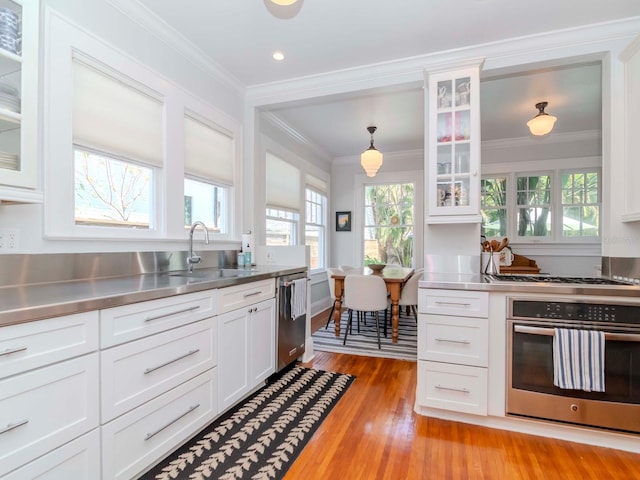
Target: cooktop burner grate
555, 279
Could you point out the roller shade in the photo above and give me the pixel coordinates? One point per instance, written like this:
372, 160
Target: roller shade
317, 184
114, 117
208, 152
283, 184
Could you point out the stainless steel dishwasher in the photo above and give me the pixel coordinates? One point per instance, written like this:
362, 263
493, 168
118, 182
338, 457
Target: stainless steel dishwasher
291, 332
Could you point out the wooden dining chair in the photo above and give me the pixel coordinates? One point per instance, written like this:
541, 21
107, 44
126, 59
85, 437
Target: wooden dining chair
365, 293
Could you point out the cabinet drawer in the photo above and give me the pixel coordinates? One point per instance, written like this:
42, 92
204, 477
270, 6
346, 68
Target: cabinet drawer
461, 340
138, 371
46, 408
452, 387
35, 344
453, 302
76, 460
137, 440
239, 296
130, 322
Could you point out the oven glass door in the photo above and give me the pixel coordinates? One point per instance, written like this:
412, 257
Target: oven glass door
532, 365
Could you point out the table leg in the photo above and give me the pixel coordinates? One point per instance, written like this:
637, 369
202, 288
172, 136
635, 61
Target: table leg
337, 314
394, 290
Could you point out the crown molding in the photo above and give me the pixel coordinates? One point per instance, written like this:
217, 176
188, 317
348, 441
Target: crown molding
296, 136
149, 21
556, 138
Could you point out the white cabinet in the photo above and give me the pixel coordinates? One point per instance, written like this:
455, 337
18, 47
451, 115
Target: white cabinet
453, 153
453, 350
19, 145
42, 409
631, 59
247, 343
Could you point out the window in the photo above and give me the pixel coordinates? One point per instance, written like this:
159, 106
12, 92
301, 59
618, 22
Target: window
580, 204
534, 202
117, 137
389, 223
282, 227
111, 192
316, 227
209, 161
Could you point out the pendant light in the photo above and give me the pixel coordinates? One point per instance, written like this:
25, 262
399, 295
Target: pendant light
283, 9
371, 158
542, 123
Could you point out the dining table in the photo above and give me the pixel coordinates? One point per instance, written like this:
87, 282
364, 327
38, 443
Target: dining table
394, 278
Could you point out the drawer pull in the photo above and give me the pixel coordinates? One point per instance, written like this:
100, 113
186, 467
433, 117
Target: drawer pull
458, 304
189, 353
448, 340
184, 310
252, 294
10, 426
453, 389
9, 351
151, 435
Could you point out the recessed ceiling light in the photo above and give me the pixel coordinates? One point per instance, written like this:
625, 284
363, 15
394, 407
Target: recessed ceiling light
278, 56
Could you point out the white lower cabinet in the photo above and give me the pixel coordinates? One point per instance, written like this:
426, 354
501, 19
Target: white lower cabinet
134, 442
76, 460
42, 409
453, 350
247, 350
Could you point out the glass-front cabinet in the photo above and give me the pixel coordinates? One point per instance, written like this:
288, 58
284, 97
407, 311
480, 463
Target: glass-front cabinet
18, 101
453, 153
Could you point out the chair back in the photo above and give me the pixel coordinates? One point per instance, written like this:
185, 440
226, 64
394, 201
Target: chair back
367, 293
332, 281
409, 292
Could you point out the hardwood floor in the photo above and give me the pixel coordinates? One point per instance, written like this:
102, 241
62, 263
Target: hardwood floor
373, 433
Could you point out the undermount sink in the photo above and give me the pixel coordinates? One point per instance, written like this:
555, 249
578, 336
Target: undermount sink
206, 275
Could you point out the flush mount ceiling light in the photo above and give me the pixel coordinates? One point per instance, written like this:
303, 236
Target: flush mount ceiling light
371, 158
283, 9
542, 123
278, 56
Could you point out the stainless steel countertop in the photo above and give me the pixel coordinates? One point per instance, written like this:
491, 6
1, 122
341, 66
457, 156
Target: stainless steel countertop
27, 303
452, 281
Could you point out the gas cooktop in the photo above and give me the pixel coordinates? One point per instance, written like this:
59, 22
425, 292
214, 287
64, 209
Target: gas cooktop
557, 279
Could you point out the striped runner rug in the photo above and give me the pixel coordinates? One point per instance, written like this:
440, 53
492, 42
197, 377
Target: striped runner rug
261, 437
366, 342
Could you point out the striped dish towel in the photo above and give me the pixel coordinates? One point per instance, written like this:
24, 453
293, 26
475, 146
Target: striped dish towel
578, 359
299, 298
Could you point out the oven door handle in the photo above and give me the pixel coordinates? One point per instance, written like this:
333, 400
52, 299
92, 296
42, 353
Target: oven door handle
549, 332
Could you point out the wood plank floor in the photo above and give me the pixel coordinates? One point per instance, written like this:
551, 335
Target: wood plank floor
373, 433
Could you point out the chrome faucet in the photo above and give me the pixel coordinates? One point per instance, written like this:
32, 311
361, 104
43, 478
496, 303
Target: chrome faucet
193, 258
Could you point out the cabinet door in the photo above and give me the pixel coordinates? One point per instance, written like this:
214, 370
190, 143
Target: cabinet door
233, 356
631, 58
453, 159
262, 351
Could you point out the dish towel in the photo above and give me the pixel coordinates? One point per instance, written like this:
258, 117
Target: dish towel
578, 359
299, 298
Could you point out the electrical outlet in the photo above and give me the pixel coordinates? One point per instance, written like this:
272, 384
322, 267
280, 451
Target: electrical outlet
269, 256
9, 239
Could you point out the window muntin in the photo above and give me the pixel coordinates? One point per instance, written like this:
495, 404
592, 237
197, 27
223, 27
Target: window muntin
533, 197
580, 204
111, 192
281, 227
389, 223
316, 227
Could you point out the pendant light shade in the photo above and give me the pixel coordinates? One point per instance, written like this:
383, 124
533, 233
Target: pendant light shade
542, 123
283, 9
371, 158
284, 2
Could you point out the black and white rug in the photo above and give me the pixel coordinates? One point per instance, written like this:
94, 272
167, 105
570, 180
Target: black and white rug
366, 342
261, 437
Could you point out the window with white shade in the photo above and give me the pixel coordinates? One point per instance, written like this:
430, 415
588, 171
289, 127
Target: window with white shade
316, 220
283, 201
209, 173
118, 146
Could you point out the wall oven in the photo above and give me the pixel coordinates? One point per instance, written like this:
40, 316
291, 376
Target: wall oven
530, 388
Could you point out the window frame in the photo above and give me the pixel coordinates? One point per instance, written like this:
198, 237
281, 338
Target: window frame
323, 227
294, 222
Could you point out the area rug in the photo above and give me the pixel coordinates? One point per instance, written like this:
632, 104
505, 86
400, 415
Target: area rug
366, 342
261, 437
